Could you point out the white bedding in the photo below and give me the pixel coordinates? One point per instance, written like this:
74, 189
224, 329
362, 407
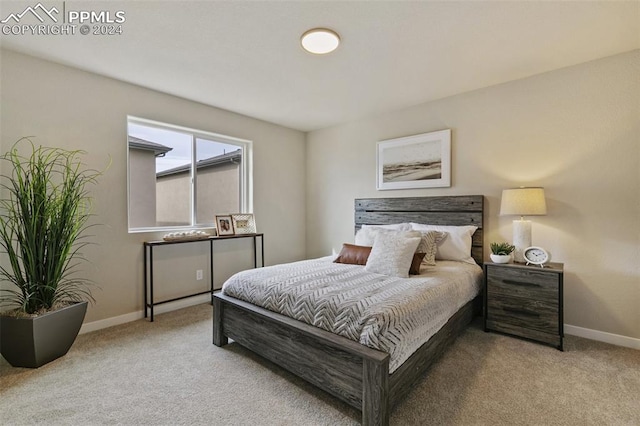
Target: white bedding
390, 314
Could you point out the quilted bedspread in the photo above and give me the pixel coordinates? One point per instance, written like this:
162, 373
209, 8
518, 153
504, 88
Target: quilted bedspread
393, 315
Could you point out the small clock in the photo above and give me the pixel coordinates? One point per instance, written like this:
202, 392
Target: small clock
536, 256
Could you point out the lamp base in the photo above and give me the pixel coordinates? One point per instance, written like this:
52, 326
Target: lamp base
521, 238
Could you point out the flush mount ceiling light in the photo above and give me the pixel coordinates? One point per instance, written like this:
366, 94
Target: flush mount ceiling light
320, 41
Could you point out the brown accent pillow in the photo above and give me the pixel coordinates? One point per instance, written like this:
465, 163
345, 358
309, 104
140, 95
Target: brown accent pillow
357, 255
415, 263
353, 255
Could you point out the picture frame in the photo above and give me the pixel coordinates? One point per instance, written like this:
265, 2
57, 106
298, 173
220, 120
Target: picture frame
418, 161
244, 223
224, 225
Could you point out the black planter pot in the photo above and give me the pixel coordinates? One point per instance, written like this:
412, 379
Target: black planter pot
33, 342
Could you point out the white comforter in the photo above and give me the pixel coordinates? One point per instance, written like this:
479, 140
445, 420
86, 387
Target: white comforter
393, 315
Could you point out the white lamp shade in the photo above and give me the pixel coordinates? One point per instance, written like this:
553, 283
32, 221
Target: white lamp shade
523, 202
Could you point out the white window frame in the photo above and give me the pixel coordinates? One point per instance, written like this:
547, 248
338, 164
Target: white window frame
246, 172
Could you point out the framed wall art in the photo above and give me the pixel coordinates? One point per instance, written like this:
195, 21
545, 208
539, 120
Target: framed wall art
244, 223
419, 161
224, 224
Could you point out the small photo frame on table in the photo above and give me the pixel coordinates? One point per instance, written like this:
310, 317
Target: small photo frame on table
244, 223
224, 224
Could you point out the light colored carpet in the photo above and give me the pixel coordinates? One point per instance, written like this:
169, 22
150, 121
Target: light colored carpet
169, 372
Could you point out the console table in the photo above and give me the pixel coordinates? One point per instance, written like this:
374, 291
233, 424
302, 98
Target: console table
149, 301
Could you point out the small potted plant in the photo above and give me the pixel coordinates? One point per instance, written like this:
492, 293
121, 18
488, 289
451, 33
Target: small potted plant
44, 211
501, 252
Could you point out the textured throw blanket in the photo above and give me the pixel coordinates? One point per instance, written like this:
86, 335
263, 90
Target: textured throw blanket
393, 315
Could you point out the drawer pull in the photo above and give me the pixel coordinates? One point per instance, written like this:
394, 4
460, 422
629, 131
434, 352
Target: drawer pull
521, 312
521, 283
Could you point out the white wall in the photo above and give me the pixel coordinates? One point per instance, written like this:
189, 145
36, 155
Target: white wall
69, 108
575, 131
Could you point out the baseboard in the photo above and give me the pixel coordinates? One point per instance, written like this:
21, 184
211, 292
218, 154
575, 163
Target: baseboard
134, 316
110, 322
602, 336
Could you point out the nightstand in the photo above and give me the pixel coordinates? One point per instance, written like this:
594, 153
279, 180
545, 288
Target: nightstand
524, 301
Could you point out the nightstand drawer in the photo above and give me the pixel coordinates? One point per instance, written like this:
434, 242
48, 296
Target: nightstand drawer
554, 339
529, 283
535, 314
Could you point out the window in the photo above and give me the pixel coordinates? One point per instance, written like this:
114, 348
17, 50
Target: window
180, 177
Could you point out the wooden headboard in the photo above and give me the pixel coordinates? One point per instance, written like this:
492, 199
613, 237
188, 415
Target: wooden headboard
456, 210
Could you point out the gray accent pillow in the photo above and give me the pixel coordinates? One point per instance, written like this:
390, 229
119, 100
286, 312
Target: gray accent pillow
392, 254
429, 246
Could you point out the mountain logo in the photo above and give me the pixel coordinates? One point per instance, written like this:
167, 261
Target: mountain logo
38, 11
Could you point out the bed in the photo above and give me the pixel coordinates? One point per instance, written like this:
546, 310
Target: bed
353, 372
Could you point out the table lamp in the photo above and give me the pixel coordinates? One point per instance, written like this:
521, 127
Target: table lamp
522, 202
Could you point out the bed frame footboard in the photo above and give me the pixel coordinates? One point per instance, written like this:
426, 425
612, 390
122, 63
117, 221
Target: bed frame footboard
346, 369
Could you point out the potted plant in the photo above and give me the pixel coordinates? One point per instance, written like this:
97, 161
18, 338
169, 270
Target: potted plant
501, 252
44, 211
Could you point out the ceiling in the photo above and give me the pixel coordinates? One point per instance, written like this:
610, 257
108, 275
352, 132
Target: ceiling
246, 56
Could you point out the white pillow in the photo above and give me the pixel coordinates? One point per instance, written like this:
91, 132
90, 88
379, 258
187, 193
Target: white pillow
457, 244
428, 242
367, 234
392, 254
365, 237
395, 226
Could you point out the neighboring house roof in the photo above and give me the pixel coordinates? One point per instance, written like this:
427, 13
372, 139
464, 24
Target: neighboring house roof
158, 149
229, 157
